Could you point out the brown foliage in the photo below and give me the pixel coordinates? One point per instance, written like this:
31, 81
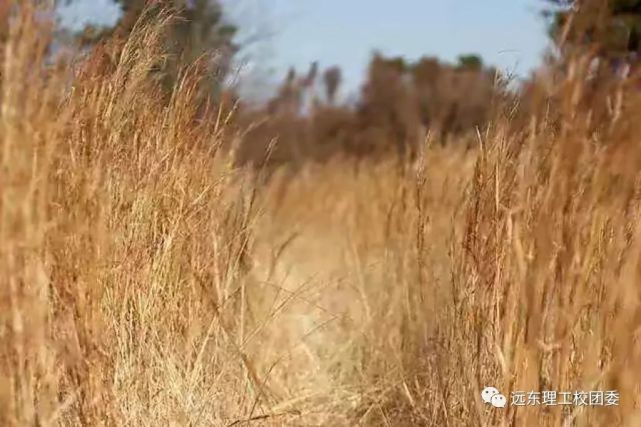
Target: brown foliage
398, 105
144, 279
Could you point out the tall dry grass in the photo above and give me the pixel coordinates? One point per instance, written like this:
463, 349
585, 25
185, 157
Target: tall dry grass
124, 239
145, 280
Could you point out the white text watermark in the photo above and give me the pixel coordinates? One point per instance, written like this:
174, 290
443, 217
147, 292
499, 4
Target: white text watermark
492, 396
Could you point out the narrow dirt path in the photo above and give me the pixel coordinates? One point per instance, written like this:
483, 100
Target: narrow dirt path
312, 307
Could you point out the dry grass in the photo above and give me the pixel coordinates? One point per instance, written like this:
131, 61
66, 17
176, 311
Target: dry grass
146, 281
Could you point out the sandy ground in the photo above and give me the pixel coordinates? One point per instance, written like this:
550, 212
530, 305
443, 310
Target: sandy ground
311, 307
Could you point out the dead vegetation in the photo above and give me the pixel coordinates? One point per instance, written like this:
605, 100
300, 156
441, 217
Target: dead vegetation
145, 279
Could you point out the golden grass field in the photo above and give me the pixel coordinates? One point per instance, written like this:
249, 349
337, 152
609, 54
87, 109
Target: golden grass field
146, 280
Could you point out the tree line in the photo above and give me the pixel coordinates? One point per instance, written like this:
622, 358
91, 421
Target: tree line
399, 102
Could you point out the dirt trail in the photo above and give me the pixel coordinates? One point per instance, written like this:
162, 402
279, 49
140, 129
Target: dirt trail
309, 294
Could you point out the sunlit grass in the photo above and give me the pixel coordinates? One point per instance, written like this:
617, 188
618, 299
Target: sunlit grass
145, 280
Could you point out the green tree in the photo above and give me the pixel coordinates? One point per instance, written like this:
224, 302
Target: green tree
470, 62
613, 27
198, 30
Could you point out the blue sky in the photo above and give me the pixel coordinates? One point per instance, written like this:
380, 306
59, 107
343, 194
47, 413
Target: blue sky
506, 33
